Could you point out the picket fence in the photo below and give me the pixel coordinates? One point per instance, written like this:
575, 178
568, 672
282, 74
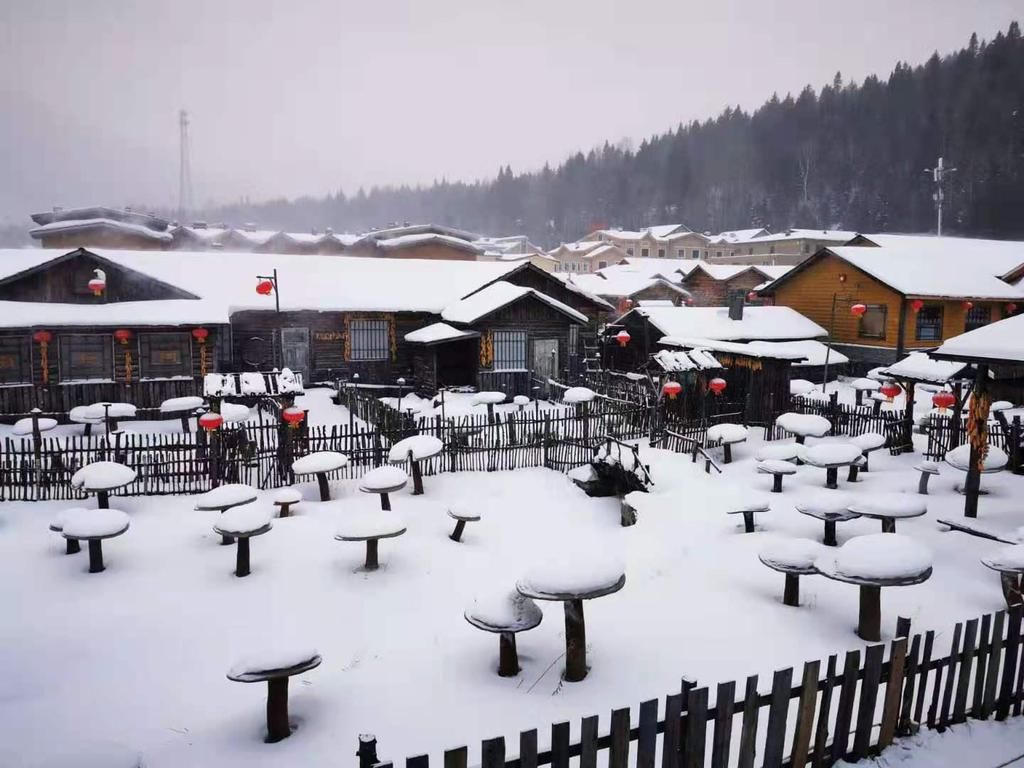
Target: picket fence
852, 709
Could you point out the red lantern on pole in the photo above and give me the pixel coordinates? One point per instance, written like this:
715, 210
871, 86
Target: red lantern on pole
200, 334
858, 310
293, 416
968, 306
943, 400
211, 421
265, 287
890, 390
623, 337
122, 335
671, 389
917, 305
717, 386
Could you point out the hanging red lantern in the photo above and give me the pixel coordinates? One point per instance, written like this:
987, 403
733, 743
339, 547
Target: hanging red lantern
943, 400
968, 306
752, 296
671, 389
717, 385
858, 310
122, 335
1011, 308
624, 305
200, 334
917, 305
42, 337
890, 390
97, 285
265, 287
623, 337
293, 416
211, 421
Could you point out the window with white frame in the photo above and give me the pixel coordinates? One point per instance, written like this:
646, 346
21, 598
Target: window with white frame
681, 253
644, 253
370, 340
661, 253
510, 350
696, 253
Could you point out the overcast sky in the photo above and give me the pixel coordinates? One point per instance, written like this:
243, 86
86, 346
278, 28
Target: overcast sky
308, 96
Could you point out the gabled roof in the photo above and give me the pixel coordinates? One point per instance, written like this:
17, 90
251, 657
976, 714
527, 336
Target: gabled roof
918, 366
998, 343
758, 323
737, 236
387, 233
425, 238
438, 333
621, 284
496, 296
721, 272
101, 212
834, 235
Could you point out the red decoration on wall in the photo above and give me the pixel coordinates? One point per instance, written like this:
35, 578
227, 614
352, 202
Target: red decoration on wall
752, 296
1011, 308
968, 306
858, 310
717, 385
264, 287
943, 400
917, 305
623, 337
211, 421
200, 334
44, 338
122, 335
293, 416
672, 388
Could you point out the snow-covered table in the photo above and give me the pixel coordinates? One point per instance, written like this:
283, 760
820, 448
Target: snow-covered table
776, 468
81, 414
778, 451
110, 413
415, 449
872, 562
860, 386
370, 526
242, 523
927, 469
727, 435
800, 386
184, 407
234, 413
319, 464
576, 395
490, 399
93, 526
384, 481
461, 516
30, 424
275, 667
830, 457
521, 401
286, 498
506, 614
889, 507
571, 582
868, 442
794, 558
803, 425
748, 507
102, 477
223, 498
831, 508
960, 458
71, 546
1008, 562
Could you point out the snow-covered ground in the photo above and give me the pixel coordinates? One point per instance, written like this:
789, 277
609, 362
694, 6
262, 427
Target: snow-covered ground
986, 744
137, 655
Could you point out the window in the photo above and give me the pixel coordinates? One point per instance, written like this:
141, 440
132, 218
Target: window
645, 252
661, 253
696, 253
369, 340
602, 264
165, 354
86, 356
681, 253
510, 350
807, 246
872, 322
977, 316
574, 339
718, 254
750, 251
771, 249
629, 251
929, 324
14, 360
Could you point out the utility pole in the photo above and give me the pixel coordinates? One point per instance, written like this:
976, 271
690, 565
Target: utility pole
939, 173
184, 167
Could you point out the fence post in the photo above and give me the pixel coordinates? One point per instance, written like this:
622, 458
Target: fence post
367, 751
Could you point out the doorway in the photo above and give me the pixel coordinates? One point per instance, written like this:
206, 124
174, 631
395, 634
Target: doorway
295, 350
545, 362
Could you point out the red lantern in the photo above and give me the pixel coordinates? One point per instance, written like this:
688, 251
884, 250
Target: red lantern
968, 306
43, 337
265, 287
943, 400
752, 296
672, 388
293, 416
122, 335
97, 285
890, 390
200, 334
1011, 308
624, 305
623, 337
717, 386
858, 310
917, 305
211, 421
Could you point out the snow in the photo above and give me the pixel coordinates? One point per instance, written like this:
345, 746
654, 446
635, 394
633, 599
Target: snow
366, 523
895, 505
865, 385
70, 226
797, 554
781, 451
288, 381
777, 467
827, 504
225, 496
878, 556
244, 519
589, 567
584, 473
623, 280
437, 332
831, 454
287, 495
727, 433
420, 446
1001, 405
483, 398
920, 367
24, 426
115, 410
578, 395
252, 383
319, 461
521, 400
504, 610
758, 323
218, 385
980, 743
81, 414
692, 360
94, 523
57, 521
381, 479
813, 352
998, 341
869, 441
960, 458
497, 295
180, 404
800, 386
102, 476
234, 412
806, 424
274, 657
1008, 558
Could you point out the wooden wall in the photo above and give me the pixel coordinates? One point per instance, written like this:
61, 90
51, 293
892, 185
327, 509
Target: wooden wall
538, 279
102, 238
659, 291
708, 292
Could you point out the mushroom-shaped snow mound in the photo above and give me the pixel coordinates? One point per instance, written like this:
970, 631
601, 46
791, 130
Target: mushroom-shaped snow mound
360, 524
878, 557
492, 398
578, 395
804, 424
727, 433
94, 523
960, 458
420, 446
225, 496
245, 519
102, 476
504, 612
320, 461
383, 479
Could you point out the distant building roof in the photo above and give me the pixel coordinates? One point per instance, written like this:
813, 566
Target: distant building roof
757, 324
66, 226
126, 215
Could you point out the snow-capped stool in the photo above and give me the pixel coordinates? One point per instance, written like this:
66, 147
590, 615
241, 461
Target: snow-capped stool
93, 526
860, 386
830, 457
33, 424
275, 668
461, 516
927, 469
81, 414
102, 477
1000, 405
803, 425
855, 467
110, 413
748, 508
960, 458
490, 399
830, 508
286, 498
383, 480
1008, 562
234, 413
868, 442
505, 614
415, 449
71, 546
242, 523
370, 526
319, 464
521, 401
571, 583
727, 435
872, 562
184, 407
889, 507
224, 497
778, 451
776, 468
800, 386
794, 558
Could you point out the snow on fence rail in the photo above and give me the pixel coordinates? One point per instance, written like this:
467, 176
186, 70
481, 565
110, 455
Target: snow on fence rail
854, 710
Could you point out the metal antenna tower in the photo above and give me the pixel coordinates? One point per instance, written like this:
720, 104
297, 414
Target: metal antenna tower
185, 168
939, 173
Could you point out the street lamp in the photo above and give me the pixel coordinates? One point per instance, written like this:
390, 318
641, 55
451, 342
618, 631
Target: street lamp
836, 298
268, 284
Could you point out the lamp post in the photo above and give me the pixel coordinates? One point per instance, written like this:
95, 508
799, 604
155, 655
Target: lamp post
268, 284
836, 298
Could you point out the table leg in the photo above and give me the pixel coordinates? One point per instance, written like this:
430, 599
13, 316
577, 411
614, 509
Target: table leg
832, 477
748, 522
460, 526
385, 502
869, 625
71, 546
727, 453
103, 499
575, 642
325, 488
417, 479
791, 594
242, 557
372, 562
830, 533
777, 484
277, 710
95, 555
508, 657
888, 525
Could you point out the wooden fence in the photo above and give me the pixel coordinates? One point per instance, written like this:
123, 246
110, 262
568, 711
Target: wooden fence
55, 400
944, 435
846, 708
848, 420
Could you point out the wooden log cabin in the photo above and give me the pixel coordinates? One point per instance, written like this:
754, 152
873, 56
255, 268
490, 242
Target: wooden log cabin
916, 291
163, 319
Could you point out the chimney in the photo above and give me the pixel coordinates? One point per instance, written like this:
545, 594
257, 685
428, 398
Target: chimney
736, 307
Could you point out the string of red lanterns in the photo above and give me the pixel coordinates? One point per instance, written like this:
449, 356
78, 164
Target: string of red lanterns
43, 338
200, 335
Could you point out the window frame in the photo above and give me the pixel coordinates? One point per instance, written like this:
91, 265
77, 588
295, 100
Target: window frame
374, 340
504, 343
926, 310
20, 348
972, 326
645, 253
884, 309
64, 352
146, 349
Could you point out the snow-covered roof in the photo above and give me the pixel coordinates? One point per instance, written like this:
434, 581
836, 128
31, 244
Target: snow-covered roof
812, 351
255, 236
671, 269
675, 361
738, 235
203, 234
835, 235
758, 323
621, 283
19, 314
920, 367
437, 333
581, 246
406, 241
780, 351
999, 341
497, 295
78, 225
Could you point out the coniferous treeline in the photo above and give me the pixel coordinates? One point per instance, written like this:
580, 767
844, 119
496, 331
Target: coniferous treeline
849, 156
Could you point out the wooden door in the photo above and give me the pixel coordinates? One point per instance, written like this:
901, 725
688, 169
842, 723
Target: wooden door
295, 350
545, 362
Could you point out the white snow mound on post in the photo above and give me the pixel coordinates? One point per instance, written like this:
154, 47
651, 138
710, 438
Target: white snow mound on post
878, 556
321, 461
244, 519
229, 495
960, 458
93, 523
421, 447
805, 424
270, 659
369, 523
727, 433
102, 476
179, 404
578, 395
